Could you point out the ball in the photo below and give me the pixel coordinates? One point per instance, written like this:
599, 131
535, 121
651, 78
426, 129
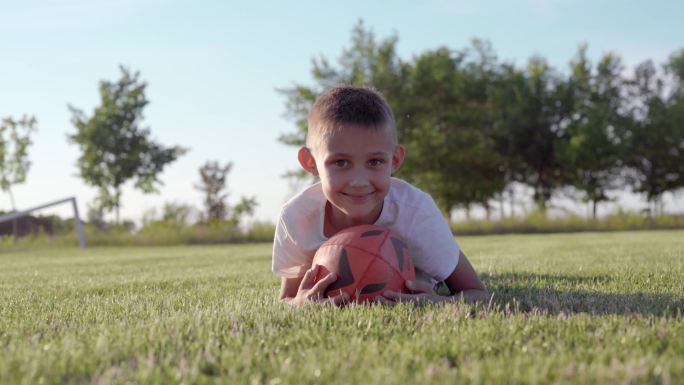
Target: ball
368, 260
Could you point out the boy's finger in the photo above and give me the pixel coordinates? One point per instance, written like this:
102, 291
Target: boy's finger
400, 296
323, 283
307, 280
418, 286
384, 301
339, 300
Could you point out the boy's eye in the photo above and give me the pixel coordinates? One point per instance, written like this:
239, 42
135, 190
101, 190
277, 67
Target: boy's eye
376, 162
340, 163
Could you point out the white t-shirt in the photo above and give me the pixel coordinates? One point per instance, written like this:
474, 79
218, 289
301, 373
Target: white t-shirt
408, 211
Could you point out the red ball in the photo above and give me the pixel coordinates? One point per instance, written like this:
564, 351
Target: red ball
368, 260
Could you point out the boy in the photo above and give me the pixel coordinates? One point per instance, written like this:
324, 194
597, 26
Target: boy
352, 146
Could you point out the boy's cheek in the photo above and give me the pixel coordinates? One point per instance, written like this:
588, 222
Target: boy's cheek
330, 179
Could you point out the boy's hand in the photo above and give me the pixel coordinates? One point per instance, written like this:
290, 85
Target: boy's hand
310, 292
422, 294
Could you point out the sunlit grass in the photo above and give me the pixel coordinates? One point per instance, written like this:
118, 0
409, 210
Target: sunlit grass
572, 308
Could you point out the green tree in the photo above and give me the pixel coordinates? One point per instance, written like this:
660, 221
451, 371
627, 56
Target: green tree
675, 69
245, 207
508, 101
592, 155
449, 138
367, 62
440, 106
655, 139
115, 148
213, 178
15, 138
532, 126
176, 213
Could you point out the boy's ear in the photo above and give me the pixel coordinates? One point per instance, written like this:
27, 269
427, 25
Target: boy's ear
397, 158
307, 161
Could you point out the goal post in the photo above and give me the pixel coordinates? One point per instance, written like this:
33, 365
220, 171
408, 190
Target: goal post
77, 219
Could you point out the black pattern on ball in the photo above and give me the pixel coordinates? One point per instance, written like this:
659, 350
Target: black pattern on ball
372, 288
371, 233
399, 247
345, 276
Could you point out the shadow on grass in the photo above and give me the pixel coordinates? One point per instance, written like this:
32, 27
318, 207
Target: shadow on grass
540, 292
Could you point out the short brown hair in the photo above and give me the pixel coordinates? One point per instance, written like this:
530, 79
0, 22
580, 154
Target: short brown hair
345, 105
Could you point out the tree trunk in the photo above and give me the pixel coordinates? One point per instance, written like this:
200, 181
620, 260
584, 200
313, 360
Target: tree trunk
118, 204
541, 205
540, 198
650, 209
15, 227
593, 209
15, 230
661, 206
511, 193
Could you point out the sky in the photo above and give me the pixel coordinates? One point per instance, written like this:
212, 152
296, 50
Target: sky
213, 69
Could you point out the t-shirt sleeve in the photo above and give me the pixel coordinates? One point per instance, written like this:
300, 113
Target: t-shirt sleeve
434, 241
289, 261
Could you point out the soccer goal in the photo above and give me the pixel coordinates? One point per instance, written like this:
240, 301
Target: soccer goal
77, 220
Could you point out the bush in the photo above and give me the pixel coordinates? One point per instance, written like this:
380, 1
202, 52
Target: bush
169, 232
158, 233
261, 232
537, 222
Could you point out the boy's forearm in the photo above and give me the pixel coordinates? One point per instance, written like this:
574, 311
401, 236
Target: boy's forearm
289, 301
472, 296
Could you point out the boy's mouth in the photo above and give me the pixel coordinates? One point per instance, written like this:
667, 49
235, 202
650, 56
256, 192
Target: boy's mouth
358, 197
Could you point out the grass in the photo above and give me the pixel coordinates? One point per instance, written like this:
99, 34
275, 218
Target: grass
570, 308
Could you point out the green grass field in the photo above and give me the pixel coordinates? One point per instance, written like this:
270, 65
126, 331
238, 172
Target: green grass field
595, 308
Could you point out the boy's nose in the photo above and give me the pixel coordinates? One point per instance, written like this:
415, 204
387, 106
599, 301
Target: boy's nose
359, 180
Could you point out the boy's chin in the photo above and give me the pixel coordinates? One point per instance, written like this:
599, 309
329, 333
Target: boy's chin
361, 217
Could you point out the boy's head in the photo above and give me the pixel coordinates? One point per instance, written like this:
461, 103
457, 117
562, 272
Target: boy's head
344, 106
352, 146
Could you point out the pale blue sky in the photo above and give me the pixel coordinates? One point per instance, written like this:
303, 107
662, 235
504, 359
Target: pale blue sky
213, 67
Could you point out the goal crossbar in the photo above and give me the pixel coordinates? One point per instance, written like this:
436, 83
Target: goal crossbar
77, 220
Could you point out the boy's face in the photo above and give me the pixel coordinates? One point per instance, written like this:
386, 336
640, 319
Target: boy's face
355, 165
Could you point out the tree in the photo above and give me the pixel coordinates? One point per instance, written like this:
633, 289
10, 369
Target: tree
449, 136
533, 126
213, 178
592, 154
655, 139
172, 213
14, 163
115, 148
474, 128
508, 99
675, 69
367, 62
176, 213
213, 183
245, 207
440, 106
